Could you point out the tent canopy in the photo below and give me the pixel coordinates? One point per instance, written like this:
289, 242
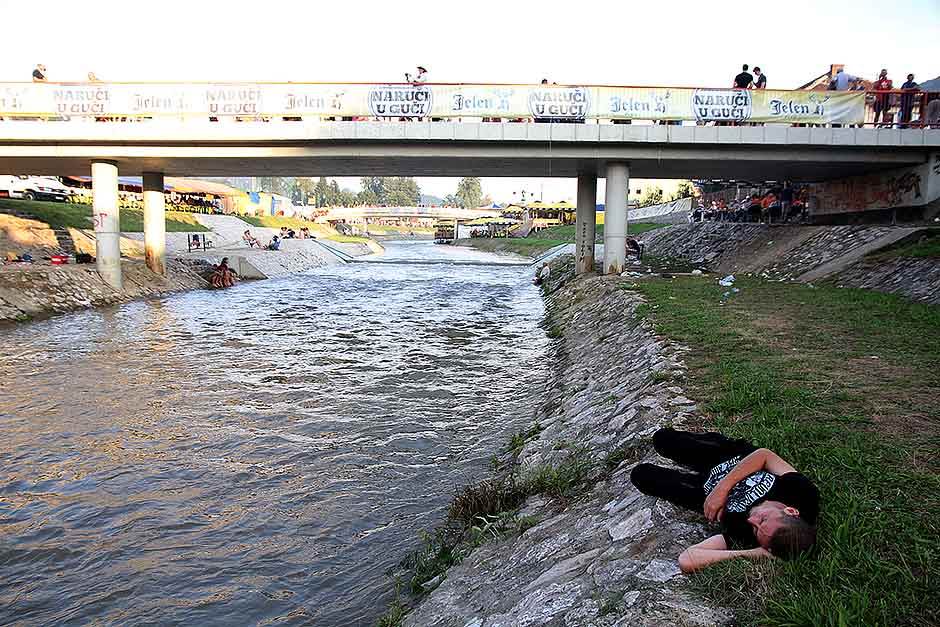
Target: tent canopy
174, 184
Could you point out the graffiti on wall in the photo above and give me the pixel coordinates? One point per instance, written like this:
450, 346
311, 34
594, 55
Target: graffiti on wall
885, 190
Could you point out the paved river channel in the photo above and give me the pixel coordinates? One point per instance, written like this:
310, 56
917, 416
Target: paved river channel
261, 454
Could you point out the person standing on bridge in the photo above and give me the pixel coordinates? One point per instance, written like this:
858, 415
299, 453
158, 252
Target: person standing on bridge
760, 79
882, 104
842, 80
39, 73
418, 79
744, 80
907, 100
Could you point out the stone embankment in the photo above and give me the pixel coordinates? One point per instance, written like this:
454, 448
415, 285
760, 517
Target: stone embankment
28, 291
609, 555
802, 253
917, 279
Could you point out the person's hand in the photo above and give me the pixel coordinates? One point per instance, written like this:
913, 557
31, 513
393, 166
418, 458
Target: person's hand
761, 553
715, 504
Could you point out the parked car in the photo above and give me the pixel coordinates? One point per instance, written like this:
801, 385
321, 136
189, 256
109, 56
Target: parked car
33, 188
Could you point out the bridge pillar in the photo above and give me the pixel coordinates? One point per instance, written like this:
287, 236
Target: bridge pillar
586, 223
615, 217
154, 222
107, 219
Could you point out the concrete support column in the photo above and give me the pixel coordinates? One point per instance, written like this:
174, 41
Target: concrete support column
586, 222
154, 222
107, 218
615, 217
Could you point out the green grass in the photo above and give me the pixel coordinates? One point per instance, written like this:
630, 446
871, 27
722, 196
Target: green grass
843, 384
924, 244
537, 243
320, 230
348, 239
60, 215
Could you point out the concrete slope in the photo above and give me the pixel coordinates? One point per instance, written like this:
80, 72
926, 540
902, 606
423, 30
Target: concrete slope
856, 254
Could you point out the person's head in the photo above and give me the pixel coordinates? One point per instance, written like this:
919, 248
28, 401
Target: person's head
839, 71
40, 67
92, 78
545, 81
756, 70
247, 232
883, 74
779, 529
910, 77
744, 67
224, 261
421, 71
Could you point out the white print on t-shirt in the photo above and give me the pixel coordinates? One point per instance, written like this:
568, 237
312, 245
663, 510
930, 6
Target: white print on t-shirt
746, 491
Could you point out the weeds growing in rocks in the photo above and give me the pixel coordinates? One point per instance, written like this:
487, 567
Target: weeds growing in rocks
843, 384
562, 480
491, 496
518, 440
629, 453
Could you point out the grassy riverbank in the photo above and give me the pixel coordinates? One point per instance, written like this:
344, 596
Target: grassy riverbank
316, 229
61, 215
843, 384
538, 243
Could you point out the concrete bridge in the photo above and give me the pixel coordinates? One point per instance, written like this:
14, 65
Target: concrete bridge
160, 147
436, 213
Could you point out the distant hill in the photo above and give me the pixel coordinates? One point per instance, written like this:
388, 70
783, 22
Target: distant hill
932, 85
428, 199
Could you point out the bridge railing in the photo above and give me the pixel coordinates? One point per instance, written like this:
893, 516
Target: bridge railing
105, 102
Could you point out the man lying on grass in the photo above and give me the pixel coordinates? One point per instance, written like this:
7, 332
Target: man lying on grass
765, 507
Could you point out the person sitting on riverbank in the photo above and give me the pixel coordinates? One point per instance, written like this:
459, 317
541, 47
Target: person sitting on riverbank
223, 275
274, 244
766, 508
252, 241
543, 274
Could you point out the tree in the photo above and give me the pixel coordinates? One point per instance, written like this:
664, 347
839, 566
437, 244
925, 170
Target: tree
684, 190
304, 188
469, 192
374, 185
367, 197
322, 192
652, 196
451, 201
401, 191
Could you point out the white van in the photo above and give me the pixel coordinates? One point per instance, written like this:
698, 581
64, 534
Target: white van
33, 188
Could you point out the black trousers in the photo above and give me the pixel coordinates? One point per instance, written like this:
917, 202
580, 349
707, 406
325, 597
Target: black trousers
699, 452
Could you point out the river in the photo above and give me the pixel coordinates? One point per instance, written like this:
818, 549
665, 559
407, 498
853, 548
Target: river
260, 454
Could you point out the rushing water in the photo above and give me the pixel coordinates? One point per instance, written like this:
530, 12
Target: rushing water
259, 454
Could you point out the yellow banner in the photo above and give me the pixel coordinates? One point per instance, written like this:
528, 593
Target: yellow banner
393, 101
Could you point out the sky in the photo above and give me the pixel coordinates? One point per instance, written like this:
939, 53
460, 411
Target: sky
667, 43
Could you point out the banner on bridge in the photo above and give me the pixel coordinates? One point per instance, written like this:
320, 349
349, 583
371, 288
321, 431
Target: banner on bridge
393, 101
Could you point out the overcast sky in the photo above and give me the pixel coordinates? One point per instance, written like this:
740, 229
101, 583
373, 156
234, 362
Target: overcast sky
668, 42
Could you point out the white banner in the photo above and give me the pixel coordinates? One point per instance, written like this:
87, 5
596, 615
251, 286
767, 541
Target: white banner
394, 101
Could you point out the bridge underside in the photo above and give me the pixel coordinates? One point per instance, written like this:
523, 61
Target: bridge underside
459, 149
506, 161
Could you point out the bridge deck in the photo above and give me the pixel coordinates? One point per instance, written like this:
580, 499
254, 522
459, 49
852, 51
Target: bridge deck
459, 149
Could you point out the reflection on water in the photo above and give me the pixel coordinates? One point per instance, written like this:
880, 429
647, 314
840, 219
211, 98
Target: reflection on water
258, 454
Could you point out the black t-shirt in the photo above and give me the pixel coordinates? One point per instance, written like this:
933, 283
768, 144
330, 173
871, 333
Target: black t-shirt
786, 194
793, 489
743, 79
38, 75
761, 81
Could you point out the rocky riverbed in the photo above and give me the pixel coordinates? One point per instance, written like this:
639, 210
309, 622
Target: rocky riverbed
607, 555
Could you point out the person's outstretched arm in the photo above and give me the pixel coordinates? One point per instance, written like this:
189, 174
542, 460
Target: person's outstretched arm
713, 550
761, 459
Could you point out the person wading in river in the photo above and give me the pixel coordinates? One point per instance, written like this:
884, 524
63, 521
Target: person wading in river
766, 508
